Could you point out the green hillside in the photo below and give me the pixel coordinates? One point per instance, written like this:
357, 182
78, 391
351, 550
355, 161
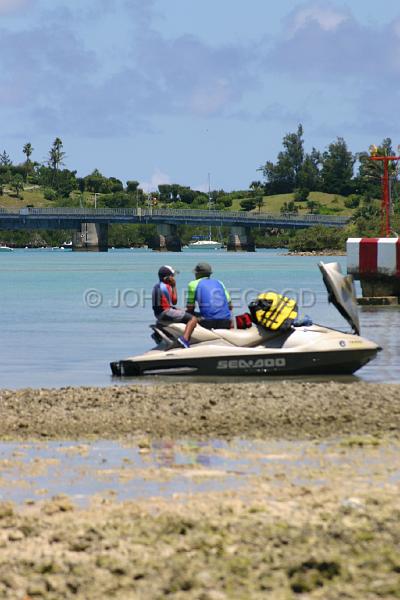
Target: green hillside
332, 203
34, 196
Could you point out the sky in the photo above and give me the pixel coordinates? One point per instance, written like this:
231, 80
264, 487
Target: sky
172, 91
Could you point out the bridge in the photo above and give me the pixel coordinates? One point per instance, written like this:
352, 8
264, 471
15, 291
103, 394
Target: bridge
90, 225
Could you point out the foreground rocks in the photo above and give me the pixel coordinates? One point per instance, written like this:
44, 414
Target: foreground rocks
212, 549
266, 410
320, 520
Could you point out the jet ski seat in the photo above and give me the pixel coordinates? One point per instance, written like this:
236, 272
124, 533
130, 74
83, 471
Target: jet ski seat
200, 334
252, 336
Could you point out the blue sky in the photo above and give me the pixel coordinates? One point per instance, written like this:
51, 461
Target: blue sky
171, 90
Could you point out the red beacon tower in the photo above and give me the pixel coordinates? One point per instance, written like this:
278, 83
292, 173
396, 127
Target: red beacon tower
385, 206
375, 262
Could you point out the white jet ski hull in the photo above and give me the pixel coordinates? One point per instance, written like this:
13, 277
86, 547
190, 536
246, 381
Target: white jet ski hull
314, 350
301, 351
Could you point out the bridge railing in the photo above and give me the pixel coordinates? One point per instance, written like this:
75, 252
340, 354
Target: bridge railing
148, 213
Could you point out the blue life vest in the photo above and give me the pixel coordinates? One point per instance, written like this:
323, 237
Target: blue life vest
211, 297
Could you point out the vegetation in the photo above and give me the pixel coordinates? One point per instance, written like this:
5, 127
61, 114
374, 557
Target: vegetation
334, 181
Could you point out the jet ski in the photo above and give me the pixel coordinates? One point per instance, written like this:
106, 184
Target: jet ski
301, 350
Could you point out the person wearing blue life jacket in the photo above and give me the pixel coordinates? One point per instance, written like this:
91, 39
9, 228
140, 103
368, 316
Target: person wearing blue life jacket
212, 298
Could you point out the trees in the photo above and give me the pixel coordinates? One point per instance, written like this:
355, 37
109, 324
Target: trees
289, 207
259, 202
56, 155
132, 186
369, 178
337, 168
313, 206
309, 176
318, 238
62, 182
17, 184
283, 177
27, 150
301, 194
5, 160
59, 180
96, 182
247, 204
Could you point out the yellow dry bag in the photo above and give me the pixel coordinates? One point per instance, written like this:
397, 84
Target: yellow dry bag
273, 311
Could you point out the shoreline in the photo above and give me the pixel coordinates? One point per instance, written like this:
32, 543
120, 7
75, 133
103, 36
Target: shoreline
276, 410
318, 517
315, 253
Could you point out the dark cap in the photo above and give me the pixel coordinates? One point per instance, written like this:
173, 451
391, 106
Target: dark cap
166, 271
203, 267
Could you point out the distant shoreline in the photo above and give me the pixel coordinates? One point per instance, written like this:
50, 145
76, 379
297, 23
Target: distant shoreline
315, 253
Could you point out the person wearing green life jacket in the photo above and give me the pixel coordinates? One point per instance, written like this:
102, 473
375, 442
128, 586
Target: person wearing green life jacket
213, 301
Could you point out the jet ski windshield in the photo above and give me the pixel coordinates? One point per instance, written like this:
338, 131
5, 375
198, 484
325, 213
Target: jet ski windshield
341, 292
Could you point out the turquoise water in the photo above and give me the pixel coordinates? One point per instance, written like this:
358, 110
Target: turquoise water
51, 337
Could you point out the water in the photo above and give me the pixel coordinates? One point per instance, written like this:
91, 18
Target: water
108, 469
49, 336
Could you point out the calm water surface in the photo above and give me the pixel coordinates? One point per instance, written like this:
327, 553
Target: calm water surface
50, 336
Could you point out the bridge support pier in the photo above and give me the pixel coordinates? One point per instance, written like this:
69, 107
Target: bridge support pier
91, 237
240, 240
167, 239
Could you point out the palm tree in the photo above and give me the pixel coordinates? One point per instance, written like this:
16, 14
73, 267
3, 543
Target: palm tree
27, 150
56, 155
259, 200
55, 160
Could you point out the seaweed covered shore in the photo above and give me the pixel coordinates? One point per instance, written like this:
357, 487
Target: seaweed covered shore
221, 410
316, 516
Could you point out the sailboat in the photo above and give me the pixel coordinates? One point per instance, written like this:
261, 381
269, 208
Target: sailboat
207, 244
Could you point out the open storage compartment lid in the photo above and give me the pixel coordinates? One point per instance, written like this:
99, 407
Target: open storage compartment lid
341, 292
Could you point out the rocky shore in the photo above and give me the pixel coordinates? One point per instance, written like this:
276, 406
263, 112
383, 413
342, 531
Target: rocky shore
313, 517
221, 410
315, 253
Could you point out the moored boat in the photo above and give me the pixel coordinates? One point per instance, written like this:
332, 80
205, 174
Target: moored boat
205, 245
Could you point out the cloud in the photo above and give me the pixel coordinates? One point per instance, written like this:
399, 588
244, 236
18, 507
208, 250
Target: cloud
326, 16
30, 76
326, 49
8, 6
157, 178
279, 112
325, 44
61, 77
193, 77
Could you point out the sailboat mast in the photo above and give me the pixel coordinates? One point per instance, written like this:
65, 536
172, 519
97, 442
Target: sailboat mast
209, 203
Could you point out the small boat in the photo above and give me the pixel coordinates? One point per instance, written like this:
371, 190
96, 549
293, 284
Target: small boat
205, 245
6, 249
66, 246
